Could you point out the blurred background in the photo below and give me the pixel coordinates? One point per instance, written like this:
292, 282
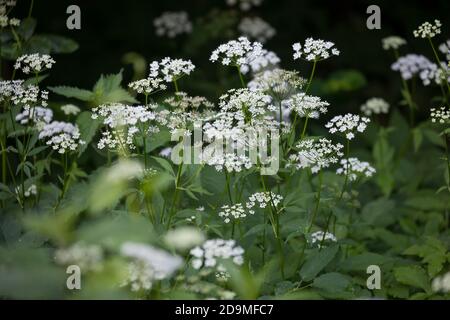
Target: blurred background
111, 29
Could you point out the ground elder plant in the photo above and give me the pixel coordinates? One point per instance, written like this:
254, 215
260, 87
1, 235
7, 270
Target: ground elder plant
270, 188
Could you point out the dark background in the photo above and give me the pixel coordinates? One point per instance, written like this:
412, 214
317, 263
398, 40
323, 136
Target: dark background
109, 29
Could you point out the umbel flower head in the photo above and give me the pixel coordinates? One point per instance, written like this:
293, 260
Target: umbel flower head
440, 115
314, 50
237, 52
257, 29
375, 106
278, 83
235, 212
244, 5
413, 64
318, 236
34, 63
316, 154
354, 169
87, 257
172, 24
36, 115
61, 136
428, 30
265, 61
348, 125
306, 106
70, 109
264, 200
171, 69
148, 86
392, 42
445, 49
21, 94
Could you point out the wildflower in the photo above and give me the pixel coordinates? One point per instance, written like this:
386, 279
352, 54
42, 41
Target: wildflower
171, 24
237, 52
184, 238
314, 50
375, 106
21, 94
257, 63
441, 115
347, 124
234, 212
353, 168
87, 257
428, 30
318, 236
166, 152
70, 109
148, 86
5, 21
413, 64
244, 5
392, 42
278, 83
30, 191
61, 136
445, 49
256, 28
211, 252
171, 69
37, 115
316, 154
441, 283
34, 63
263, 199
306, 106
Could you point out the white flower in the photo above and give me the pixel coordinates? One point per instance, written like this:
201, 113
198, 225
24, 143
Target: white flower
32, 190
70, 109
211, 251
37, 115
245, 5
257, 29
306, 106
5, 21
184, 238
392, 42
278, 83
172, 24
375, 106
22, 94
61, 136
257, 63
355, 169
413, 64
87, 257
171, 69
148, 86
348, 125
316, 154
148, 264
237, 52
428, 30
445, 49
234, 212
441, 115
314, 50
318, 236
441, 283
264, 200
166, 152
34, 63
123, 171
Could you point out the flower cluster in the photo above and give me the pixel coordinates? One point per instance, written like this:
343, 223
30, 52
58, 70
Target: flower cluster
171, 69
257, 29
34, 63
87, 257
413, 64
237, 52
353, 168
441, 283
375, 106
316, 154
234, 212
318, 236
428, 30
61, 136
172, 24
184, 238
348, 125
148, 86
211, 251
277, 82
123, 122
314, 50
306, 106
245, 5
392, 42
445, 49
441, 115
22, 94
70, 109
5, 21
37, 115
264, 199
148, 264
31, 191
257, 63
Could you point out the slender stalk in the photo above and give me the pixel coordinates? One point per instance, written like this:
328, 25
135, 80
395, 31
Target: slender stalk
227, 177
347, 152
241, 77
316, 209
439, 63
175, 196
30, 10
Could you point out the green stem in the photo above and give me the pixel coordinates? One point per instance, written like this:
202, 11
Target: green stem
347, 152
439, 63
175, 196
316, 209
30, 11
241, 77
311, 77
227, 177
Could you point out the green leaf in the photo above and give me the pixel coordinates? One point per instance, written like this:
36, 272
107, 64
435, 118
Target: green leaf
73, 92
433, 253
379, 212
59, 44
108, 90
317, 262
413, 276
26, 28
332, 282
88, 128
165, 165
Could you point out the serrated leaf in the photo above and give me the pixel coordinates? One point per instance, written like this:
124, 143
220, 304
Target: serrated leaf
413, 276
73, 92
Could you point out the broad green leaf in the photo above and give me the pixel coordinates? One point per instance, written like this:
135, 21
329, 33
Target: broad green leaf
317, 262
88, 127
73, 92
413, 276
